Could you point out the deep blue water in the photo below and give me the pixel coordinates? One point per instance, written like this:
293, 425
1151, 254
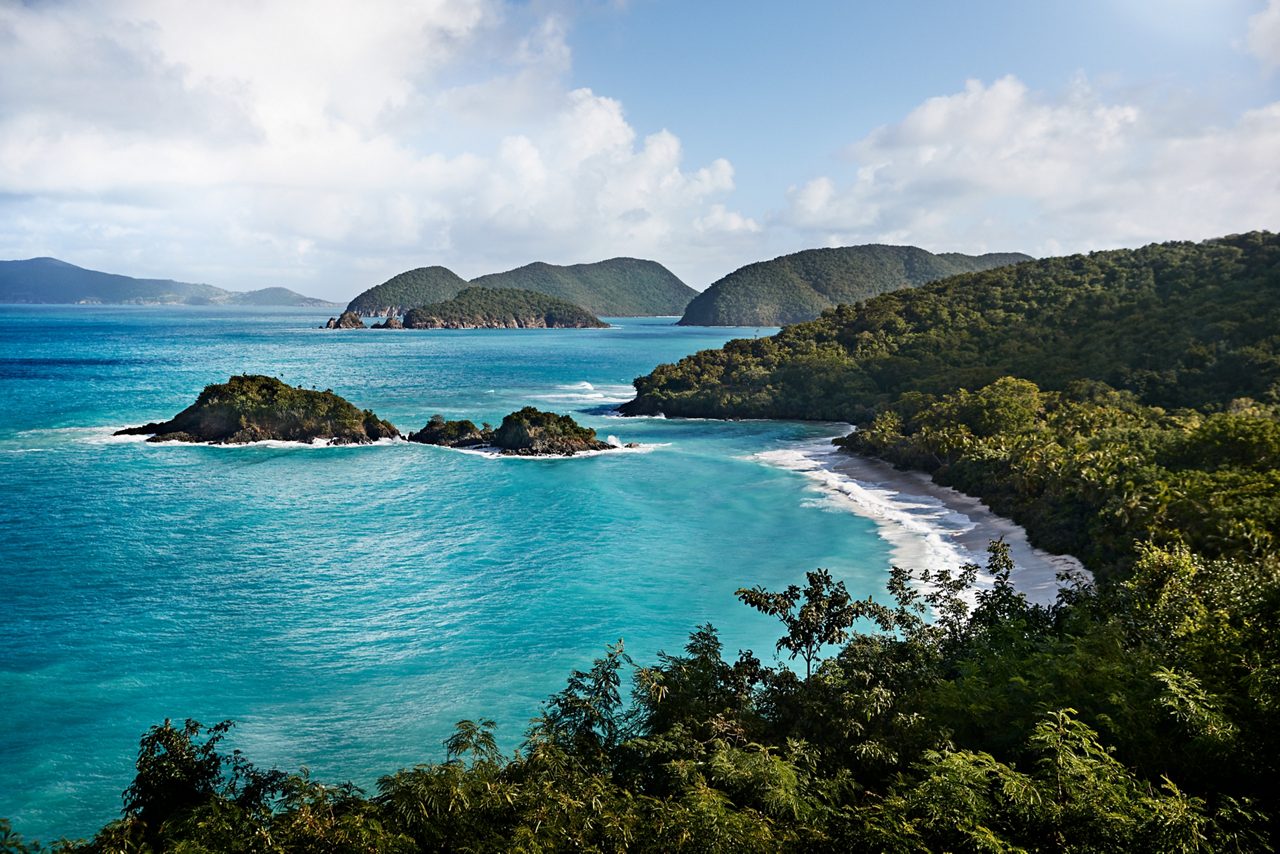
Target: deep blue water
347, 605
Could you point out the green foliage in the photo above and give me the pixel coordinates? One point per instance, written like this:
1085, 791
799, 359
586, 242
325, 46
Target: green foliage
795, 288
1176, 324
619, 287
1141, 718
1092, 472
251, 408
822, 619
493, 307
403, 291
531, 431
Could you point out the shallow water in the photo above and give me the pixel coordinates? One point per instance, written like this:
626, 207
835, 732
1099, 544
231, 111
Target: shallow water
347, 605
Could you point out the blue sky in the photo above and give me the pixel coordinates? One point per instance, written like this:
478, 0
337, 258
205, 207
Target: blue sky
326, 146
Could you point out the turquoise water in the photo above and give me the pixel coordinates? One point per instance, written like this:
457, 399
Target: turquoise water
347, 605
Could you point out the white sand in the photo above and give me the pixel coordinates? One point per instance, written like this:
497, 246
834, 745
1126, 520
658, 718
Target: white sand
926, 525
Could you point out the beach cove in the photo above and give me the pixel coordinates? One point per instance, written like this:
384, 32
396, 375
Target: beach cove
346, 605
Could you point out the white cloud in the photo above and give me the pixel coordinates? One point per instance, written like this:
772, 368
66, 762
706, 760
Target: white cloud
1001, 167
722, 220
323, 145
1263, 37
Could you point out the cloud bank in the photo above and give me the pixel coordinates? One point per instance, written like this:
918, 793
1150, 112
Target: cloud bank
998, 166
325, 147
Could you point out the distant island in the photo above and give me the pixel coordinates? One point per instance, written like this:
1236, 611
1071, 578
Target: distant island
484, 308
48, 281
798, 287
255, 408
618, 287
501, 308
526, 433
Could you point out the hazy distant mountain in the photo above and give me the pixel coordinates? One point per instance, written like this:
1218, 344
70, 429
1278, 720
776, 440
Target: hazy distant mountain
619, 287
794, 288
50, 281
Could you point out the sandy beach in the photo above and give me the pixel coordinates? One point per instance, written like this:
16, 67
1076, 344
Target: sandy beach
926, 525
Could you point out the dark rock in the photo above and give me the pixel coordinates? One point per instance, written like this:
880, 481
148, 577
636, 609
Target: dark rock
451, 434
392, 322
527, 433
256, 408
531, 432
346, 320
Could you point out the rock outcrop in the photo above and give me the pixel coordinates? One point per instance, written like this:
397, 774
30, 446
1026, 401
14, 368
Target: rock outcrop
346, 320
527, 433
254, 408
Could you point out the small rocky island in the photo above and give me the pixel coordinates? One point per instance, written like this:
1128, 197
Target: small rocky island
527, 433
501, 308
254, 408
346, 320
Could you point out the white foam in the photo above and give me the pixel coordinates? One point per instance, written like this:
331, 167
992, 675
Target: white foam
109, 439
926, 526
585, 392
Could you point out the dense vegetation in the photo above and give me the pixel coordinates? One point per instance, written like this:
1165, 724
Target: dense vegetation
253, 408
1178, 324
527, 432
1093, 472
795, 288
48, 280
503, 308
406, 290
618, 287
1142, 718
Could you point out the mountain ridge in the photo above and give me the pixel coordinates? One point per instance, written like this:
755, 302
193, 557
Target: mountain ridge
799, 286
51, 281
618, 287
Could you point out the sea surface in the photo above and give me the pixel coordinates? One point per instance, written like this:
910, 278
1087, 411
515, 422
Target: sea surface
347, 605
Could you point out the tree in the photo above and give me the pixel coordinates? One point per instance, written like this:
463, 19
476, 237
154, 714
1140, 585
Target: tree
824, 617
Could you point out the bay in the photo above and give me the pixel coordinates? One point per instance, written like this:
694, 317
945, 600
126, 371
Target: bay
346, 606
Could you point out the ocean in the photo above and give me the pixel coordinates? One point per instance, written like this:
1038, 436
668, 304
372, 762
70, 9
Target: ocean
347, 605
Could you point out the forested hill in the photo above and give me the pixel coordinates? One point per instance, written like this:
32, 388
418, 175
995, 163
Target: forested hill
501, 308
798, 287
1178, 324
412, 288
50, 281
619, 287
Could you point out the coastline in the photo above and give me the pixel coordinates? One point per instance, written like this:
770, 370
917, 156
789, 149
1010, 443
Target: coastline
927, 526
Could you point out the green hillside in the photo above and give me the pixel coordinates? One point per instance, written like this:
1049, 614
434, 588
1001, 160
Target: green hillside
500, 308
407, 290
1178, 324
618, 287
798, 287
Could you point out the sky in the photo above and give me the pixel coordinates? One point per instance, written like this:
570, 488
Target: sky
327, 145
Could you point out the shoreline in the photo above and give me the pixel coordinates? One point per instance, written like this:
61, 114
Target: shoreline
927, 526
